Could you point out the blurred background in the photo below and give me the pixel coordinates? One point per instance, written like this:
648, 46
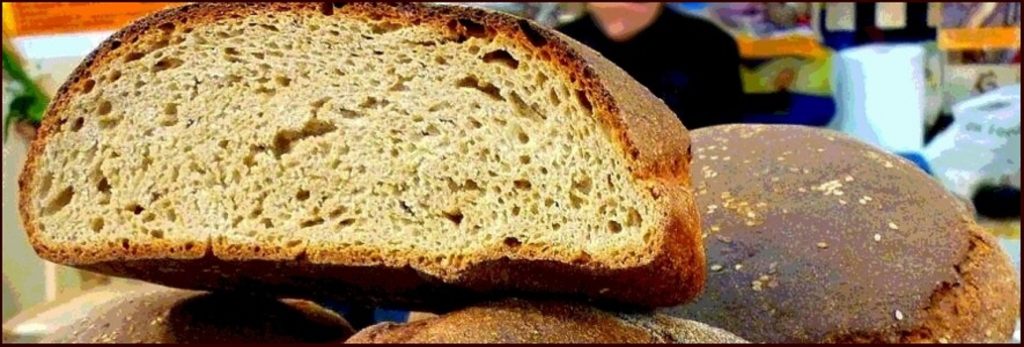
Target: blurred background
937, 83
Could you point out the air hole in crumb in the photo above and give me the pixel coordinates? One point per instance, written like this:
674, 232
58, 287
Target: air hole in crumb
166, 27
524, 159
384, 27
189, 245
231, 51
515, 210
60, 201
575, 201
285, 139
302, 195
522, 184
584, 100
104, 108
327, 9
454, 217
440, 60
472, 28
103, 186
512, 242
283, 81
113, 76
77, 124
534, 36
96, 224
501, 56
312, 222
125, 244
149, 217
88, 85
347, 222
614, 227
135, 209
159, 234
485, 87
523, 138
133, 56
583, 185
293, 243
633, 217
267, 223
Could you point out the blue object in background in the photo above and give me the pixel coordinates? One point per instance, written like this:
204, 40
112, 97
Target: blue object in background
689, 7
918, 160
379, 314
804, 109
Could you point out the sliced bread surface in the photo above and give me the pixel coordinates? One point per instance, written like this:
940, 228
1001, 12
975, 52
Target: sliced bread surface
397, 153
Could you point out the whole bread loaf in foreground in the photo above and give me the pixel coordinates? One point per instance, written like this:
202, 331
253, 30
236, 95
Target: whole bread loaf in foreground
815, 237
375, 153
523, 321
163, 315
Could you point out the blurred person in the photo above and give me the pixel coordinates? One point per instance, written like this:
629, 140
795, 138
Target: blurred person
690, 63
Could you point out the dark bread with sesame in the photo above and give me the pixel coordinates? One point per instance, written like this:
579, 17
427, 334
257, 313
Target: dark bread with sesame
523, 321
154, 314
812, 236
228, 146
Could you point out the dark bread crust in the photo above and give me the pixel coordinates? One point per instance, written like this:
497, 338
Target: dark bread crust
162, 315
649, 136
522, 321
826, 277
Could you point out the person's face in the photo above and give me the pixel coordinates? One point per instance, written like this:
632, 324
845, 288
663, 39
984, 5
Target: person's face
620, 21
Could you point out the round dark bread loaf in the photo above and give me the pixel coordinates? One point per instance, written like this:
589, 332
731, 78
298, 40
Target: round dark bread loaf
815, 237
527, 321
164, 315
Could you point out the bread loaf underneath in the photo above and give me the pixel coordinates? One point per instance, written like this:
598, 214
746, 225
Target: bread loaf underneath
815, 237
523, 321
162, 315
376, 153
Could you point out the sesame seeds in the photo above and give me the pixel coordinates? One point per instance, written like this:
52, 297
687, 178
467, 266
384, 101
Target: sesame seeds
723, 239
878, 237
830, 188
716, 267
755, 285
715, 228
898, 315
737, 267
822, 245
893, 226
712, 208
864, 200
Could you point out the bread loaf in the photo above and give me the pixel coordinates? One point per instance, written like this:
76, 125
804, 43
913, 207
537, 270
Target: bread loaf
379, 153
815, 237
163, 315
522, 321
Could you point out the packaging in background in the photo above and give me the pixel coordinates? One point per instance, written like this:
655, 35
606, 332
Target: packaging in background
880, 93
43, 18
982, 146
981, 42
767, 30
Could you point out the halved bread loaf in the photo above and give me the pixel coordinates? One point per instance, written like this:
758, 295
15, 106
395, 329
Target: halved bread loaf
400, 154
